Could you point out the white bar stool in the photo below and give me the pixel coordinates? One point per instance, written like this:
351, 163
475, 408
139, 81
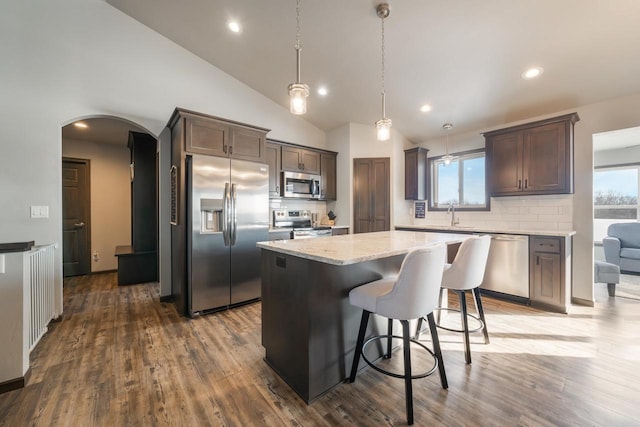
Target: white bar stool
410, 295
466, 274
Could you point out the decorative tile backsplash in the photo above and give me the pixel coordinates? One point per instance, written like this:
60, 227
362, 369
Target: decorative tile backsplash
553, 212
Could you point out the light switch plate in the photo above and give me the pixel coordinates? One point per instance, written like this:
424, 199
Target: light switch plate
39, 211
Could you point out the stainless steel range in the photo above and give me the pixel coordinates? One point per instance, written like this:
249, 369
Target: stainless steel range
300, 221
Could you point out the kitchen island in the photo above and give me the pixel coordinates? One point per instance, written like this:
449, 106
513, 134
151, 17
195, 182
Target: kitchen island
308, 326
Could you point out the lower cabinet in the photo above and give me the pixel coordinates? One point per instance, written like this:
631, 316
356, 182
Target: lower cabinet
550, 272
339, 231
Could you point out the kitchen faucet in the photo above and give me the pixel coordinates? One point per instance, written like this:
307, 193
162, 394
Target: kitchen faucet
452, 211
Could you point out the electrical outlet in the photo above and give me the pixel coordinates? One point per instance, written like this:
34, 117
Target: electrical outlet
96, 256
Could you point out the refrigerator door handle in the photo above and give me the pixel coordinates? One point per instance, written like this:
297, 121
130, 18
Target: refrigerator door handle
234, 218
226, 214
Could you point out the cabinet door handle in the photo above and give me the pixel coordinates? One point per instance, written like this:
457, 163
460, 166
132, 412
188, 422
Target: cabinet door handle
224, 149
537, 260
519, 184
526, 183
278, 189
231, 149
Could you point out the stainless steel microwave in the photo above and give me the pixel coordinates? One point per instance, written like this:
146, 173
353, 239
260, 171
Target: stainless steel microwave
300, 185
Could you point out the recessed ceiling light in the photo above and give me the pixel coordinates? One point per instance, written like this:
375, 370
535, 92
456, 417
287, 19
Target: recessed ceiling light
322, 91
80, 125
532, 73
234, 26
425, 108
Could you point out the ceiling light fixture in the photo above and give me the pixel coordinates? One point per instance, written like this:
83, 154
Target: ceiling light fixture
233, 26
298, 92
532, 73
447, 158
383, 125
425, 108
80, 125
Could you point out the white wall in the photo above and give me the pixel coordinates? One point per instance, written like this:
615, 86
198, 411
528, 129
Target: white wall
619, 156
69, 59
110, 197
338, 140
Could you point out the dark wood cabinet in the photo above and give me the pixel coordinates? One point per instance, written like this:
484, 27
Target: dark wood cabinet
216, 137
144, 192
137, 263
371, 199
339, 231
416, 172
535, 158
328, 187
273, 161
550, 272
300, 160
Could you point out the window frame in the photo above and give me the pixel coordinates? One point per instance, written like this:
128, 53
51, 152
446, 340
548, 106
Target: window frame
433, 161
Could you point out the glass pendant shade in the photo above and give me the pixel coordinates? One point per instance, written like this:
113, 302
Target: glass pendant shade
298, 93
447, 159
383, 127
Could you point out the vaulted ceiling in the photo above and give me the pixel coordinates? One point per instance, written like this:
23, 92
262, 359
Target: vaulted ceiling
464, 57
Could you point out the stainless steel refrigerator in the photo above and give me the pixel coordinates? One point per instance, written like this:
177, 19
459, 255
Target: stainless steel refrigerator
228, 212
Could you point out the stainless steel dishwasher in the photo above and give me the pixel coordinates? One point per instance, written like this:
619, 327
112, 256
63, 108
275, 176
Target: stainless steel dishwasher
508, 267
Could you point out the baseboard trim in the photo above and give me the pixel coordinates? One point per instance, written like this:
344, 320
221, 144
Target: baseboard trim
15, 384
584, 302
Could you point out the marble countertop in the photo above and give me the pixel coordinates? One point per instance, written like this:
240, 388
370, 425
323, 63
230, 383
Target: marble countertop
353, 248
472, 229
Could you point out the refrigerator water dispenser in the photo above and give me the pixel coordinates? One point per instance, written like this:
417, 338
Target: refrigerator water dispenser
211, 216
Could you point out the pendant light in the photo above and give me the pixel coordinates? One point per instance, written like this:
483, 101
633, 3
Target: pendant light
383, 126
447, 158
298, 92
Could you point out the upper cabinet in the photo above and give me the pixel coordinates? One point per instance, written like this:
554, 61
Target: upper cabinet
222, 138
534, 158
297, 159
273, 161
328, 190
416, 172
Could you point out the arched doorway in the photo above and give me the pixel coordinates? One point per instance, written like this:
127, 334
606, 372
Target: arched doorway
97, 214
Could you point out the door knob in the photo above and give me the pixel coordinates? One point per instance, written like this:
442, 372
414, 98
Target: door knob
79, 224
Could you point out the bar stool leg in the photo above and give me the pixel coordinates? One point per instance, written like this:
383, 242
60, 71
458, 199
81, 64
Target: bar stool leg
440, 303
389, 340
356, 357
465, 325
437, 350
418, 328
406, 339
478, 300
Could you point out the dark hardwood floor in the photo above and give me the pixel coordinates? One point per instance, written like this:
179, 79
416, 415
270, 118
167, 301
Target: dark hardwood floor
120, 357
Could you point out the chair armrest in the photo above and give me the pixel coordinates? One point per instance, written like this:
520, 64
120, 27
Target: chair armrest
611, 247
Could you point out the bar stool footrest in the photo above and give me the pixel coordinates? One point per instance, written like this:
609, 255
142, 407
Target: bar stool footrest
393, 374
476, 318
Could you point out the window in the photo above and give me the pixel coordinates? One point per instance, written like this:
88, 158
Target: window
615, 197
461, 182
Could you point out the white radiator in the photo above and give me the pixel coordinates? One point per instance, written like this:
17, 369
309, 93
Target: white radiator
41, 274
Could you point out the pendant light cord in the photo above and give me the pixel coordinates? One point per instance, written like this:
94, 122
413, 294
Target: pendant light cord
384, 115
298, 25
